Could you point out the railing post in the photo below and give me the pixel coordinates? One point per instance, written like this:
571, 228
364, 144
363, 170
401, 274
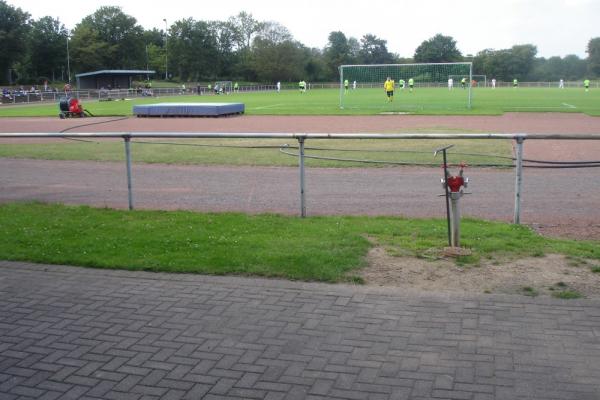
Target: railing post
518, 180
128, 161
302, 187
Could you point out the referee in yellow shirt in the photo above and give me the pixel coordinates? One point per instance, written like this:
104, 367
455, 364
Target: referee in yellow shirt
388, 86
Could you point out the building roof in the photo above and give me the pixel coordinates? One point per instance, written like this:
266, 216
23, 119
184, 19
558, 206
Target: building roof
117, 72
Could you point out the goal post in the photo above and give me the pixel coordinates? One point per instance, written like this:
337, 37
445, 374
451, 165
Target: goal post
223, 87
428, 80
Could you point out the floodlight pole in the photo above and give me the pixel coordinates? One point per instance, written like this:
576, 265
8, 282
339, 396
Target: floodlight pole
166, 50
68, 60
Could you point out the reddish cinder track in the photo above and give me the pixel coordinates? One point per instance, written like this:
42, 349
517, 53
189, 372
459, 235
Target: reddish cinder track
556, 202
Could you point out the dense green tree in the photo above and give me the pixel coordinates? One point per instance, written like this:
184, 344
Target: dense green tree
507, 64
373, 50
225, 42
315, 68
47, 49
555, 68
244, 29
14, 28
593, 50
522, 58
283, 61
438, 49
194, 45
274, 33
573, 67
154, 51
88, 51
121, 39
338, 52
154, 36
156, 59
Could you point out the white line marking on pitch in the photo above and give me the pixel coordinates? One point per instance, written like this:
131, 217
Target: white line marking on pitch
568, 105
532, 107
271, 106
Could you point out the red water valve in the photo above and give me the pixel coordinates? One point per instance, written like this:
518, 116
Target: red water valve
455, 183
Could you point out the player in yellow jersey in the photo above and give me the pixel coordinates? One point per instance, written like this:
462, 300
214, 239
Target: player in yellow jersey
388, 86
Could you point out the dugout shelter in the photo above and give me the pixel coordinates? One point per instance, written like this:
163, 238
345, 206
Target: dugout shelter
113, 79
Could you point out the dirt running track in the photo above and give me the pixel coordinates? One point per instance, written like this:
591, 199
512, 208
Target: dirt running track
556, 202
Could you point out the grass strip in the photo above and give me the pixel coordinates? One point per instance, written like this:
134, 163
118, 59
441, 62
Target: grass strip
313, 249
424, 101
222, 152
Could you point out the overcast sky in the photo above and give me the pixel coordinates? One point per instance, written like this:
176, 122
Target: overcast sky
556, 27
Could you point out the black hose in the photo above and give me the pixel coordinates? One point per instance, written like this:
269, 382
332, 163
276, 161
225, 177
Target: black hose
92, 123
550, 164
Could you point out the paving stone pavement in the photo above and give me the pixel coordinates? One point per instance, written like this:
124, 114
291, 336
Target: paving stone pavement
75, 333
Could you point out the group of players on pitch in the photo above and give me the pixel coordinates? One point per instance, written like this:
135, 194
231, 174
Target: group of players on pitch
389, 84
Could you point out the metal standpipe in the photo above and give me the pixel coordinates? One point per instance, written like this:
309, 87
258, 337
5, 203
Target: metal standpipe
453, 191
518, 179
127, 140
446, 189
455, 219
302, 186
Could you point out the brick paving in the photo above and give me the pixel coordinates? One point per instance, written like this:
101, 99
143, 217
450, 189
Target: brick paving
75, 333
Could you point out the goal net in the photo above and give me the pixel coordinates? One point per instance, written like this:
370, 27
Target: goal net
223, 87
476, 80
429, 89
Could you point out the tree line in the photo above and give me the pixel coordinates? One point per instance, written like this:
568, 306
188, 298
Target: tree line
240, 48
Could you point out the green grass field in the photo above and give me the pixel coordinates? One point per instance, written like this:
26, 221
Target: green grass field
430, 101
316, 248
220, 152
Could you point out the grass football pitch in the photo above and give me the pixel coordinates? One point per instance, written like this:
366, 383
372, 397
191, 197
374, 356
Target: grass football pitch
315, 102
428, 101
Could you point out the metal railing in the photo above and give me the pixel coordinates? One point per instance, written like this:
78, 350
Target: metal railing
519, 139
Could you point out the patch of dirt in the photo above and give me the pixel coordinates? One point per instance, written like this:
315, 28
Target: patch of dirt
529, 276
577, 231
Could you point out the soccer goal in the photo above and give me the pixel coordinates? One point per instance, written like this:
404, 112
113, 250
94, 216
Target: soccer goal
426, 92
223, 87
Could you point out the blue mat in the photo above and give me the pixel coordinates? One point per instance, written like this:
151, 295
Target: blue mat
188, 109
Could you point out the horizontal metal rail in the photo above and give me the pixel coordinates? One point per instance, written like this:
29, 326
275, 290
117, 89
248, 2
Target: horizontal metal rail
306, 136
519, 138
